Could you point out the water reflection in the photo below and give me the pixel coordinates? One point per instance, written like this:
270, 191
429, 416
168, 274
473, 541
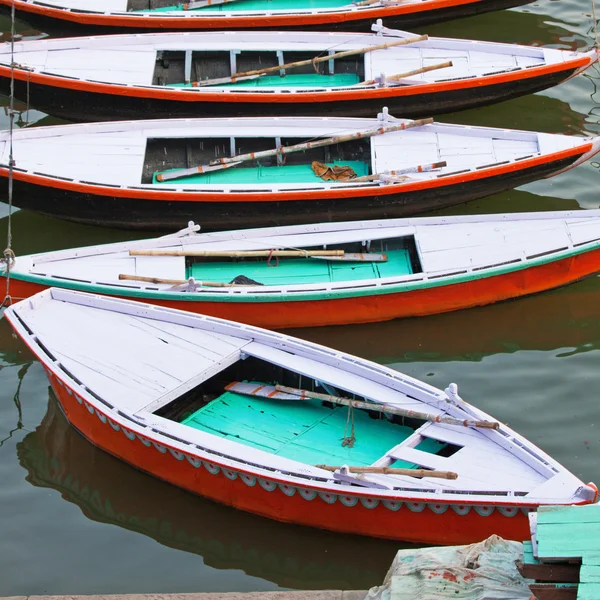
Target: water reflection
109, 491
17, 402
567, 317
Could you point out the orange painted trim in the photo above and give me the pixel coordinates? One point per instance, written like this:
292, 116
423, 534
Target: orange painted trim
183, 95
418, 525
139, 21
269, 196
367, 309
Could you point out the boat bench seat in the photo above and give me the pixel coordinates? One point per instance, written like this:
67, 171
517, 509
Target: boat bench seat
261, 175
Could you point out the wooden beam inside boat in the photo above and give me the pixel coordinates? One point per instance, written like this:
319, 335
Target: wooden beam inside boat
393, 471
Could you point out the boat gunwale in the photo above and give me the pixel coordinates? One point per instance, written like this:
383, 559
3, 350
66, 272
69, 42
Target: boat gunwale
306, 481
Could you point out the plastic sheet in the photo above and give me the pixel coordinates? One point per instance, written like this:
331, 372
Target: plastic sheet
482, 571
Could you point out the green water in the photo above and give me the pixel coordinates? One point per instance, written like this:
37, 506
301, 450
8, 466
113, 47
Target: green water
76, 521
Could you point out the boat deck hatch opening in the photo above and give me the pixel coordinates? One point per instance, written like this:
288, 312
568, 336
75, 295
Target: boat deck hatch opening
309, 431
401, 253
170, 68
165, 154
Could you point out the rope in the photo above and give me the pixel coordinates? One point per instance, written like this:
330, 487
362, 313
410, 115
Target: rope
9, 255
596, 45
349, 441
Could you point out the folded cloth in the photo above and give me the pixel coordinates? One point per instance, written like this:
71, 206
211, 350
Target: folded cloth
336, 173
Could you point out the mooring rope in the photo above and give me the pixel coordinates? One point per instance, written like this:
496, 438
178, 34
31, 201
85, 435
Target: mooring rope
595, 29
9, 255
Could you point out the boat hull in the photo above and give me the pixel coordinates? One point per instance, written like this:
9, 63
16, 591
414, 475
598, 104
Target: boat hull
430, 300
84, 101
50, 19
422, 522
153, 210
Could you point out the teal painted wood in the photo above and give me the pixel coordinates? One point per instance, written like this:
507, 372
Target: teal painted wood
398, 263
305, 431
260, 5
590, 573
588, 591
567, 540
569, 514
303, 270
528, 557
263, 175
291, 80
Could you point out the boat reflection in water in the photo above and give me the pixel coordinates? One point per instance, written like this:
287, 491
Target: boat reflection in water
109, 491
566, 318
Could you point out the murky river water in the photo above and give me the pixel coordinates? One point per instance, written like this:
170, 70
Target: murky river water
73, 520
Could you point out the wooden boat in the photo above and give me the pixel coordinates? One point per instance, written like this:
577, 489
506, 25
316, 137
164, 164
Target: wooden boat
389, 269
166, 74
250, 172
284, 428
95, 15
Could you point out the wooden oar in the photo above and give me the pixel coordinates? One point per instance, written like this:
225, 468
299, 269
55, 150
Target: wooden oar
238, 253
224, 163
400, 76
311, 61
124, 277
382, 408
336, 255
417, 169
394, 471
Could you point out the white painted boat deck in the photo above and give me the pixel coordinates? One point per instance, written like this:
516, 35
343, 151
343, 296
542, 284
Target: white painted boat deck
114, 153
134, 358
130, 59
446, 246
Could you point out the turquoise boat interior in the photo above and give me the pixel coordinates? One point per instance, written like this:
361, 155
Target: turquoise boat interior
303, 80
235, 6
295, 271
165, 155
262, 174
309, 431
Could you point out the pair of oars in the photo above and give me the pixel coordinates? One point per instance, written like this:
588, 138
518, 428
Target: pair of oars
335, 255
256, 73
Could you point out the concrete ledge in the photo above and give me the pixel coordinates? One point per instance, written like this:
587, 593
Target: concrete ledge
304, 595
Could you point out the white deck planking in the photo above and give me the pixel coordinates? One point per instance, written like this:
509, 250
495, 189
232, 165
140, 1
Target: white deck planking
127, 361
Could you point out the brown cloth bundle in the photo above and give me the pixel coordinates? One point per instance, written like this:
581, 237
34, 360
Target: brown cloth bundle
332, 173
